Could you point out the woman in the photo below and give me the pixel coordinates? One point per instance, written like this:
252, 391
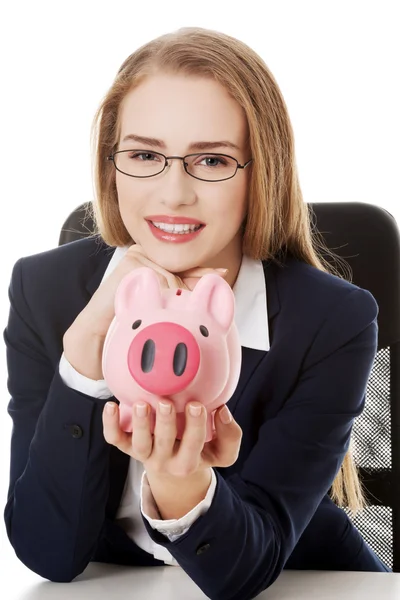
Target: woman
194, 131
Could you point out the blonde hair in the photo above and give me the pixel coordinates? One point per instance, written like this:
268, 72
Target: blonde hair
278, 219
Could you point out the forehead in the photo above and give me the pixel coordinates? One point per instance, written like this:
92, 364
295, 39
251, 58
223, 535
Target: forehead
180, 109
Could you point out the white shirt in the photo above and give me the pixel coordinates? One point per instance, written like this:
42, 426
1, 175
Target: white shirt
251, 319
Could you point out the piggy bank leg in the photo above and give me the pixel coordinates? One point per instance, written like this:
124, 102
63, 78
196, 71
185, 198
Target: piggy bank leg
125, 418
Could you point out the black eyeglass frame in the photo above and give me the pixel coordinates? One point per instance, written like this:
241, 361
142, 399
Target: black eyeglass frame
182, 158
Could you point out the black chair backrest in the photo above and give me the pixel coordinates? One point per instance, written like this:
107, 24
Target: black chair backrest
367, 237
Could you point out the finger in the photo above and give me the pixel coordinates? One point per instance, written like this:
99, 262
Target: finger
137, 254
142, 439
223, 449
193, 276
181, 283
189, 456
190, 283
166, 279
113, 434
201, 271
165, 431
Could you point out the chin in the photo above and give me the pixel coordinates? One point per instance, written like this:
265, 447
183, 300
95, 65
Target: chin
173, 264
176, 266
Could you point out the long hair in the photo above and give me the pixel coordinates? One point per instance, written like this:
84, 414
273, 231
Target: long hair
278, 220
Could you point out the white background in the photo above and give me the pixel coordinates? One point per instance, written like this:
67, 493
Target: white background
336, 62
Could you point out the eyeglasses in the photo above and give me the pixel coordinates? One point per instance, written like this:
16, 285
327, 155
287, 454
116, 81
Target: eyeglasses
206, 167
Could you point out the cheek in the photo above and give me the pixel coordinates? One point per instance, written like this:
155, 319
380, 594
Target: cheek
232, 200
130, 192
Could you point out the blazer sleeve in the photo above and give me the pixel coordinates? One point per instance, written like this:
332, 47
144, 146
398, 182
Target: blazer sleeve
240, 546
59, 480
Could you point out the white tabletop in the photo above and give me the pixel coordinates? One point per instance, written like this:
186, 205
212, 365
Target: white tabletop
100, 581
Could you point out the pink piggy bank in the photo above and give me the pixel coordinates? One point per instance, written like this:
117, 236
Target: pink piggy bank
176, 344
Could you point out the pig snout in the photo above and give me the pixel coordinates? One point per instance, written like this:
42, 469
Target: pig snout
164, 358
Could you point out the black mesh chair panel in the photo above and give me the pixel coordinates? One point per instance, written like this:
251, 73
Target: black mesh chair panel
367, 237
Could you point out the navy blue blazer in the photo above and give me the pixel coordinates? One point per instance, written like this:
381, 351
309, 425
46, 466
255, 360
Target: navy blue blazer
295, 404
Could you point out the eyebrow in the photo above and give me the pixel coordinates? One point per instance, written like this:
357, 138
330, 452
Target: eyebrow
147, 141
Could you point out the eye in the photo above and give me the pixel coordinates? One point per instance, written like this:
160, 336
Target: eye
149, 156
204, 330
137, 324
214, 161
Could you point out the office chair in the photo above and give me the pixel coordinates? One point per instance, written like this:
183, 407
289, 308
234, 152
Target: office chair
367, 237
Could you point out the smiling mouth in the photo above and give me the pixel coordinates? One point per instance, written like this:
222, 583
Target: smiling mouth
178, 229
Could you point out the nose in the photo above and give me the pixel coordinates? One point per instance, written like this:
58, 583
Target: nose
164, 358
176, 185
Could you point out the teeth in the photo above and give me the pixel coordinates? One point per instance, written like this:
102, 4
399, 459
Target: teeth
184, 228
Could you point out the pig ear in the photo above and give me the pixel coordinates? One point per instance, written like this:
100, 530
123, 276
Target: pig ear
140, 289
214, 295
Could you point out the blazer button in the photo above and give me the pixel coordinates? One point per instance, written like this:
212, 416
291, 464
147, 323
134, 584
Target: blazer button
76, 431
202, 548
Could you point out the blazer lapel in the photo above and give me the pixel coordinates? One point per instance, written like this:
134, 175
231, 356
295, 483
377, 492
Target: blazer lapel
273, 302
251, 358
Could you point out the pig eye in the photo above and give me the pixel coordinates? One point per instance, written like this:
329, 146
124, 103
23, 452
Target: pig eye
203, 330
137, 324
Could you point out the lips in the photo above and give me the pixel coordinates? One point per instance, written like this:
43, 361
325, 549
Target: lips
175, 238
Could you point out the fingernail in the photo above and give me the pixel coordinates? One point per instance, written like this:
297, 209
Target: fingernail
141, 410
195, 411
222, 271
165, 409
110, 408
225, 415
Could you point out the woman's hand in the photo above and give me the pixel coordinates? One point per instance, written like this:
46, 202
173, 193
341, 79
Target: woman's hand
161, 453
99, 312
